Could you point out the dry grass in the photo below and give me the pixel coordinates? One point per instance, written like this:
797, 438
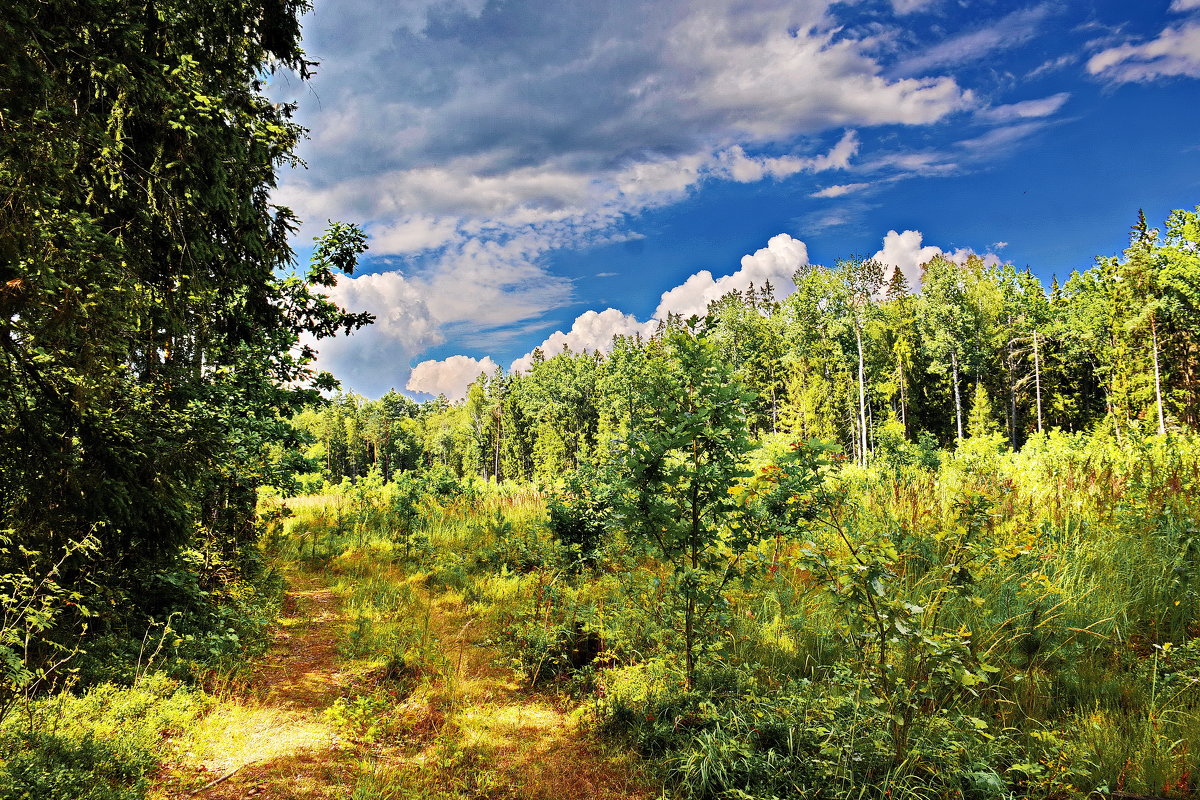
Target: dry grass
467, 728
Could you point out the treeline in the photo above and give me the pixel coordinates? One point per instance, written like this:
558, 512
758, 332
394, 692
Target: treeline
151, 317
854, 356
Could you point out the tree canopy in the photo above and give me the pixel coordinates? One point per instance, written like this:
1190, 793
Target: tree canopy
150, 334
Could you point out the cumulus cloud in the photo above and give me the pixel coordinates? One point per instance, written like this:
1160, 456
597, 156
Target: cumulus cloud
592, 331
1175, 52
450, 376
476, 292
907, 252
776, 262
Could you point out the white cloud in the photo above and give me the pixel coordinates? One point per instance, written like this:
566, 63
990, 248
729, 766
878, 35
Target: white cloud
487, 285
903, 7
1174, 52
1026, 109
840, 190
1000, 140
1179, 6
451, 376
776, 262
1002, 34
1052, 65
563, 131
907, 253
591, 332
962, 254
413, 234
376, 358
477, 291
594, 331
736, 165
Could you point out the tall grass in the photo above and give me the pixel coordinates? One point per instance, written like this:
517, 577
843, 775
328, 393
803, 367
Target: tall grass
1040, 610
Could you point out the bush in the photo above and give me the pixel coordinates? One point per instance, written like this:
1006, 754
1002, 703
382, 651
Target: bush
98, 746
47, 766
580, 512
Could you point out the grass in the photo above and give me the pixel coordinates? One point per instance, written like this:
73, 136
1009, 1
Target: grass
1040, 613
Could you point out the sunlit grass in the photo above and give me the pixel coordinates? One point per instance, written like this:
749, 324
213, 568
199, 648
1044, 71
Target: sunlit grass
237, 734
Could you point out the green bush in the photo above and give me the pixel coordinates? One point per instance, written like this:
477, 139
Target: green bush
101, 745
581, 511
47, 766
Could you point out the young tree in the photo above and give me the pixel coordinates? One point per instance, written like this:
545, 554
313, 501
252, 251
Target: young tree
683, 455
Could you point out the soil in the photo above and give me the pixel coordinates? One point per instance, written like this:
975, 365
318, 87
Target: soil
478, 733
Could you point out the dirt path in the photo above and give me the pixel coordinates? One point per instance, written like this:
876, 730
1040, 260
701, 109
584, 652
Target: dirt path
470, 732
533, 748
270, 737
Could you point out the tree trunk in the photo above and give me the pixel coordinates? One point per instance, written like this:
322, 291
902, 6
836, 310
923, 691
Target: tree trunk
689, 614
862, 398
1012, 397
1162, 424
1037, 379
957, 396
499, 414
774, 408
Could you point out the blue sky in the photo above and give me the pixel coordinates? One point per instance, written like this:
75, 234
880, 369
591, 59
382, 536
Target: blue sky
539, 173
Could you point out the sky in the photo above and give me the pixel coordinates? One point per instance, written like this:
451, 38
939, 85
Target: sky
548, 172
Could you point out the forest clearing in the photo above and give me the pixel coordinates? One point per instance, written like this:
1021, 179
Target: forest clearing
447, 637
917, 525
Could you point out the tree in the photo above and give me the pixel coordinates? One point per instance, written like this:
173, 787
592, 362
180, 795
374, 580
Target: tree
947, 325
1179, 280
751, 340
683, 455
899, 332
819, 403
863, 279
151, 318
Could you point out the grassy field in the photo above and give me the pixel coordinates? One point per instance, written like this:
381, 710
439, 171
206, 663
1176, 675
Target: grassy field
986, 625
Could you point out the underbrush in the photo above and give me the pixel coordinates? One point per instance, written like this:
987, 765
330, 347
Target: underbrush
103, 744
96, 681
977, 624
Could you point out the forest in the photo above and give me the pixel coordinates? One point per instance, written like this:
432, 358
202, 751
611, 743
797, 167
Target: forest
862, 540
848, 358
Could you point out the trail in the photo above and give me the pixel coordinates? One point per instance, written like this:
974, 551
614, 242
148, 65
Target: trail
269, 737
471, 732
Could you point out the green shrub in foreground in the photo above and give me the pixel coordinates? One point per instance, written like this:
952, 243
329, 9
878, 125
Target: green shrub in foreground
98, 746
